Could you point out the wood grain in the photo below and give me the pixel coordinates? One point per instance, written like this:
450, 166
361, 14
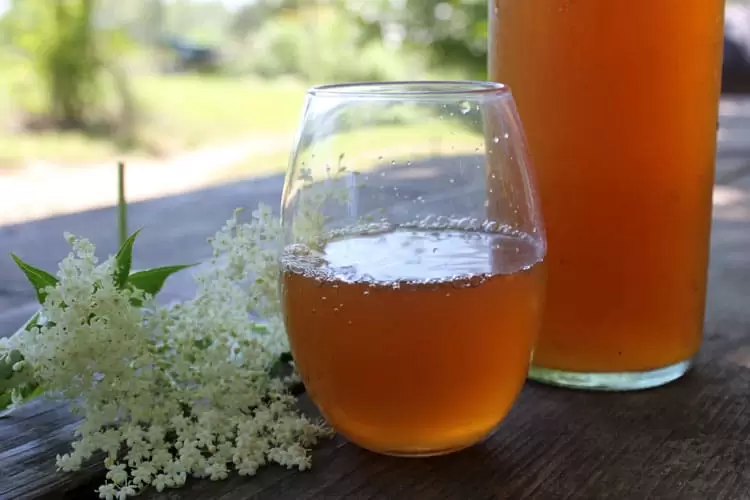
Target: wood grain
30, 440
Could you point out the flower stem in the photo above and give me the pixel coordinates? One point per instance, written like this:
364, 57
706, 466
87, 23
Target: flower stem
122, 204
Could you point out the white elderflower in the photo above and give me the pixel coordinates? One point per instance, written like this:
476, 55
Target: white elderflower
172, 392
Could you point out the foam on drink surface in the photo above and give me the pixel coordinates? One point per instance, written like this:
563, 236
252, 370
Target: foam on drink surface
412, 254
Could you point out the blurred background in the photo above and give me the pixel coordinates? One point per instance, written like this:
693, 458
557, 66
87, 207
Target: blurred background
200, 98
212, 88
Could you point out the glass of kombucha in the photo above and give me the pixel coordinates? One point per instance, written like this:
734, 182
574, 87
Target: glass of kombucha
619, 100
413, 272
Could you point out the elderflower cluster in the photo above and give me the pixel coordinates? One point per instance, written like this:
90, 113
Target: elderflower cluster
172, 392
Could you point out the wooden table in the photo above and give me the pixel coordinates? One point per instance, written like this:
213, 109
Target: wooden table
688, 440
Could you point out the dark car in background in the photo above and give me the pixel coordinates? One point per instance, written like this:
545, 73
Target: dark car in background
183, 56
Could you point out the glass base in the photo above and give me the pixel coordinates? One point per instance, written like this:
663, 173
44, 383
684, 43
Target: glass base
622, 381
422, 454
419, 452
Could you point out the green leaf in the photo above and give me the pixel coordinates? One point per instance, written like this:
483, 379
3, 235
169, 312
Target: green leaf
5, 401
151, 281
28, 392
40, 278
124, 259
32, 391
32, 322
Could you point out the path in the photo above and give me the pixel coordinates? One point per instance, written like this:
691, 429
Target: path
44, 190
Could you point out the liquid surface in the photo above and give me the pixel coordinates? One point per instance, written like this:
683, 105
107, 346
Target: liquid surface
428, 255
619, 100
414, 342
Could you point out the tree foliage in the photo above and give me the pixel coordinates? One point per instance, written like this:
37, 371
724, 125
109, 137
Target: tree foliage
252, 16
71, 43
58, 36
321, 43
453, 32
68, 53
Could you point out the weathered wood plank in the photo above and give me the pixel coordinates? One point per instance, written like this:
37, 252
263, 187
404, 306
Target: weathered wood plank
30, 440
684, 441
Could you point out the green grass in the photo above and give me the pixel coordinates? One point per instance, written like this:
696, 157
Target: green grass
184, 112
19, 149
177, 113
210, 109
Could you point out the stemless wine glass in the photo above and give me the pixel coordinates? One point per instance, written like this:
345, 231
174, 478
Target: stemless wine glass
412, 276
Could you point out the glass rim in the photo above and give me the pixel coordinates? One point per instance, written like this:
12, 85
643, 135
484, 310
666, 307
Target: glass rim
412, 89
